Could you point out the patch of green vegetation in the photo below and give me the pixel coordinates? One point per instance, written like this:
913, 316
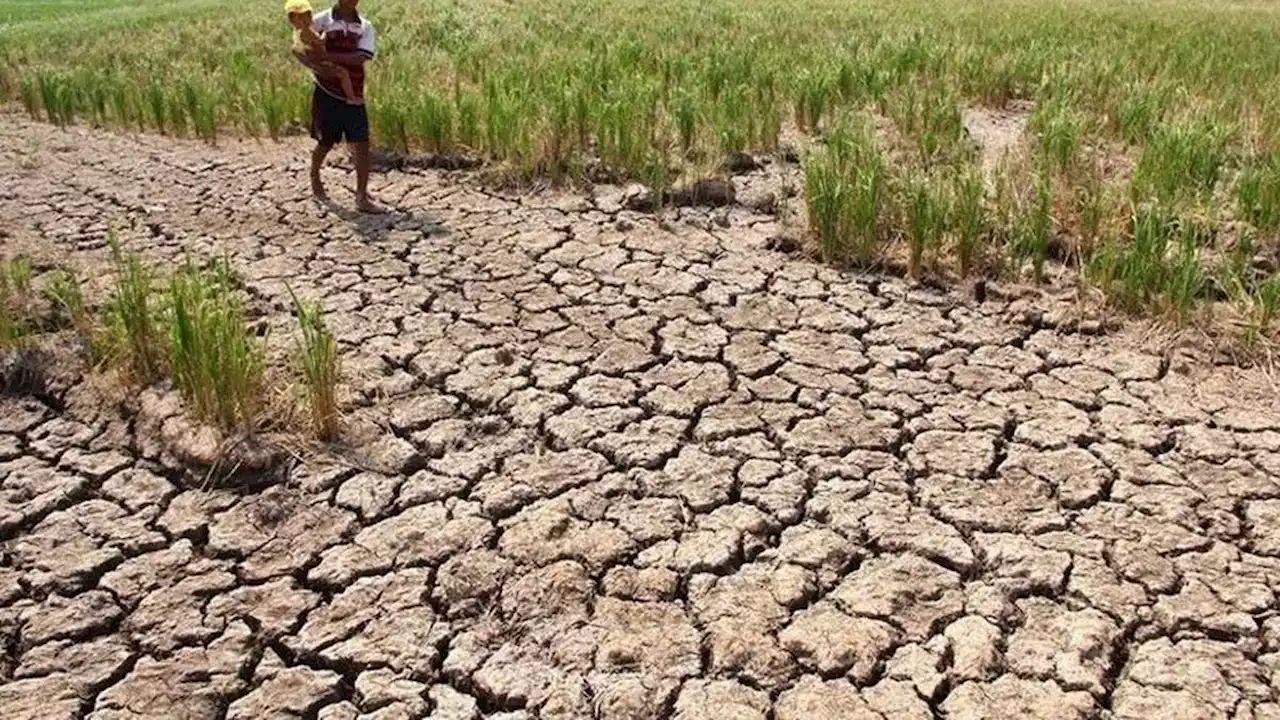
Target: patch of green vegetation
1168, 103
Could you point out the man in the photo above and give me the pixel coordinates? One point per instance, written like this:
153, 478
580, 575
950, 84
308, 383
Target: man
349, 41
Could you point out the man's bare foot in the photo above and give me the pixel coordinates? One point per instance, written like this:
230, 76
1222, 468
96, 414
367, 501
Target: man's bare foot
367, 206
317, 189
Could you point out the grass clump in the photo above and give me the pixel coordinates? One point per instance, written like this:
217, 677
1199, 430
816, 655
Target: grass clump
218, 364
64, 293
928, 216
1158, 268
845, 195
318, 364
1059, 129
132, 336
1258, 296
970, 225
1266, 295
15, 301
1258, 192
1032, 227
1182, 161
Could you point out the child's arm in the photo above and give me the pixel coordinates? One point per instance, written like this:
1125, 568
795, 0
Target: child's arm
311, 37
310, 50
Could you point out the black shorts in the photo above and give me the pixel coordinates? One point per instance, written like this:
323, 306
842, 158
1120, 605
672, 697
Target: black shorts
334, 120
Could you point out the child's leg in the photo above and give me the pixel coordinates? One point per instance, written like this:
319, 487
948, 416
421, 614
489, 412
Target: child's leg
347, 88
339, 73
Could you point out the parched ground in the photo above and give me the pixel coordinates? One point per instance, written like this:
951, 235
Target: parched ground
623, 471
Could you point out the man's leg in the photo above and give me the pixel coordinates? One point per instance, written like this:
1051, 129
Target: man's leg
317, 161
358, 140
323, 130
360, 154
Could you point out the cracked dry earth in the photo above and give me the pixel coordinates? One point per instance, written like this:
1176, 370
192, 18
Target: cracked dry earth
628, 473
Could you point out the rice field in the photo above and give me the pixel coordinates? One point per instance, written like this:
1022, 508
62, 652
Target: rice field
1150, 159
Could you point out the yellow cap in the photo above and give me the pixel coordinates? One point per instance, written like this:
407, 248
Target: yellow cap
297, 6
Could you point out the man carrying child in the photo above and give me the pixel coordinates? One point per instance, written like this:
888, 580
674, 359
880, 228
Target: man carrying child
338, 112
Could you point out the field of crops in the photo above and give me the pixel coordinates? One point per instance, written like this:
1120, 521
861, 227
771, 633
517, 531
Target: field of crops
1149, 157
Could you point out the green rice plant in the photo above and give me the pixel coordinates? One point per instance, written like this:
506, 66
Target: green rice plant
17, 272
435, 122
1093, 207
1131, 274
941, 131
991, 82
1240, 284
1159, 268
175, 118
1004, 208
825, 193
157, 106
218, 364
1182, 160
908, 55
319, 366
903, 106
867, 202
685, 113
56, 97
191, 105
582, 116
467, 111
733, 122
64, 293
928, 215
500, 120
1267, 298
845, 195
1141, 111
200, 111
15, 301
1187, 280
815, 90
1258, 192
132, 335
1033, 228
560, 143
1059, 130
27, 93
390, 124
96, 97
12, 328
1235, 276
969, 221
119, 104
272, 107
766, 118
848, 82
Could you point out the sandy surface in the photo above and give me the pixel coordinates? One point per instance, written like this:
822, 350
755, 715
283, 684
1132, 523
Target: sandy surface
626, 473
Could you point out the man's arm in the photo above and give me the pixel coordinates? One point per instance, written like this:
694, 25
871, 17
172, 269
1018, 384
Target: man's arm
364, 52
355, 59
301, 56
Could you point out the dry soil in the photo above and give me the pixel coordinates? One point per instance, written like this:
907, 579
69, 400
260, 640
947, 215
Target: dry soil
626, 471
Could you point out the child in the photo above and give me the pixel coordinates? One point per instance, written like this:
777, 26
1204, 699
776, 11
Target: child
310, 47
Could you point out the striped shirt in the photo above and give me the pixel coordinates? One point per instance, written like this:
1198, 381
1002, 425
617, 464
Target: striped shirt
343, 35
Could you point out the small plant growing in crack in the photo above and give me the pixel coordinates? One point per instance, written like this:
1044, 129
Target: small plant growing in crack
319, 367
